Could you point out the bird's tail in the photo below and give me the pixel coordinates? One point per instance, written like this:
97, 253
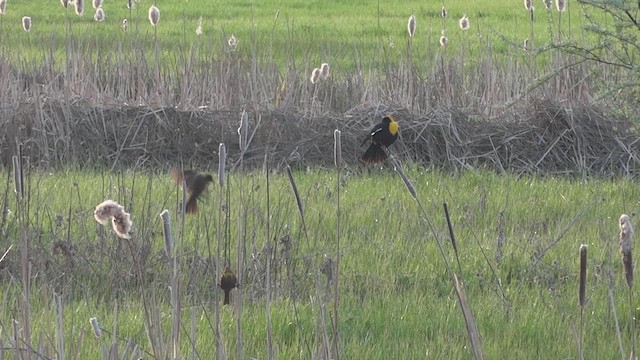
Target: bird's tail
374, 154
226, 297
192, 205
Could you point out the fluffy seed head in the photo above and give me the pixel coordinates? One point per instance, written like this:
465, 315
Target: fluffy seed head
315, 75
154, 15
411, 25
79, 6
26, 23
464, 23
561, 5
96, 4
324, 71
626, 234
106, 210
121, 223
3, 6
443, 13
99, 15
583, 275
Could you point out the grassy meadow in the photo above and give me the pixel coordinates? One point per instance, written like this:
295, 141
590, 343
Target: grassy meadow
395, 294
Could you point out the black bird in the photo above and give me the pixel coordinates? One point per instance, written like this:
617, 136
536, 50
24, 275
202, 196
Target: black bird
384, 134
195, 184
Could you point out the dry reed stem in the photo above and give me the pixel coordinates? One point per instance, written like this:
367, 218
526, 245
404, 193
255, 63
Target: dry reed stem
472, 326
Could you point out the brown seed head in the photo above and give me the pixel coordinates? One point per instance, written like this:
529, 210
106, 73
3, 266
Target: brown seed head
96, 4
99, 15
315, 75
561, 5
411, 25
443, 13
222, 158
464, 23
79, 7
3, 6
626, 234
26, 23
154, 15
583, 275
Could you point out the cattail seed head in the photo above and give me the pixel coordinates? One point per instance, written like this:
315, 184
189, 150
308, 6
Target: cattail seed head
129, 4
525, 45
97, 331
443, 13
125, 25
79, 7
3, 7
154, 15
96, 4
464, 23
531, 9
548, 4
411, 25
99, 15
26, 23
222, 158
583, 275
626, 234
65, 3
337, 148
232, 42
243, 131
17, 178
166, 233
199, 28
527, 4
315, 75
106, 210
561, 5
324, 71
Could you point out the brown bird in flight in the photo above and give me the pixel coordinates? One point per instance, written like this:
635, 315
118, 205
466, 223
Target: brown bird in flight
228, 281
195, 184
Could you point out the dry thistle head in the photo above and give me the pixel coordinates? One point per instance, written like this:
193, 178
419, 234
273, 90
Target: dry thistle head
324, 71
527, 4
222, 158
232, 42
337, 148
626, 234
99, 15
154, 15
106, 210
561, 5
464, 22
315, 75
26, 23
411, 26
79, 6
97, 331
121, 222
199, 28
125, 25
96, 4
583, 275
443, 13
3, 6
65, 3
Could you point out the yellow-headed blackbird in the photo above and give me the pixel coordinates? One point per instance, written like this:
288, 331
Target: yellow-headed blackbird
383, 134
228, 281
196, 184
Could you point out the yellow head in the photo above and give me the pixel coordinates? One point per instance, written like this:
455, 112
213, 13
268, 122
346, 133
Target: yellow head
393, 124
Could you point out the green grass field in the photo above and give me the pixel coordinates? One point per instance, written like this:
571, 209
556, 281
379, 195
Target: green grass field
395, 296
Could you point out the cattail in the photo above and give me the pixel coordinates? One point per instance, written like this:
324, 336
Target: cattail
583, 275
324, 71
125, 25
337, 148
548, 4
464, 23
443, 39
99, 15
411, 25
79, 6
232, 42
315, 75
222, 158
154, 15
96, 4
531, 9
525, 46
443, 13
65, 3
199, 28
561, 5
17, 177
97, 331
3, 6
243, 130
527, 4
626, 233
166, 233
26, 23
129, 4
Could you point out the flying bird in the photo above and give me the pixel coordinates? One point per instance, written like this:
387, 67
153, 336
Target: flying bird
195, 185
